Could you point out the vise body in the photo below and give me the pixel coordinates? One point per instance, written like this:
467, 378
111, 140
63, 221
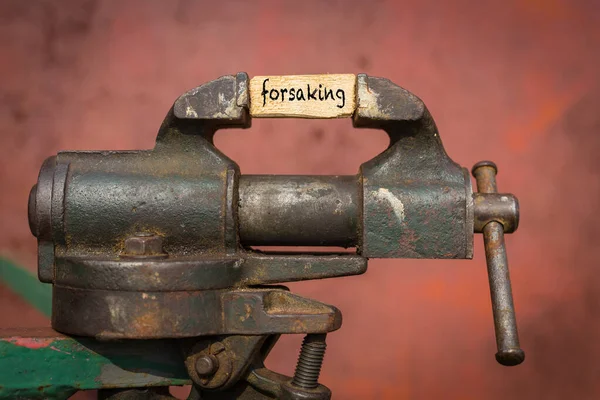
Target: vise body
159, 243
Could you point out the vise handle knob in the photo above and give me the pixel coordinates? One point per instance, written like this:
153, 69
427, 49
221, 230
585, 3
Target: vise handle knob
505, 324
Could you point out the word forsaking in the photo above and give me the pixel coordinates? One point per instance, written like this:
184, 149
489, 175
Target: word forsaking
320, 93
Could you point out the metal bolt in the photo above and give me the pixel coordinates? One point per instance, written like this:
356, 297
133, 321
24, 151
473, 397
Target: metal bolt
507, 338
207, 365
143, 245
310, 361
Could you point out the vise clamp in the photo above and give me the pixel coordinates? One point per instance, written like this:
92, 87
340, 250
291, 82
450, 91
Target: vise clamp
158, 243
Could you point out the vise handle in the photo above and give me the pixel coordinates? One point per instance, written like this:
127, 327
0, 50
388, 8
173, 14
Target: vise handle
494, 214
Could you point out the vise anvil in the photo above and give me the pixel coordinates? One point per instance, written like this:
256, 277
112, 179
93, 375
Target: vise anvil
158, 243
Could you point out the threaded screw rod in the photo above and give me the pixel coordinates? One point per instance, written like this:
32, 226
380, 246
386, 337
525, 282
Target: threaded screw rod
310, 361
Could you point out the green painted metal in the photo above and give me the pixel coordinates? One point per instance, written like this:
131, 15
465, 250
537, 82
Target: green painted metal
43, 364
26, 285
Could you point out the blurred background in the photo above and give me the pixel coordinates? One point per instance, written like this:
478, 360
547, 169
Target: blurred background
512, 81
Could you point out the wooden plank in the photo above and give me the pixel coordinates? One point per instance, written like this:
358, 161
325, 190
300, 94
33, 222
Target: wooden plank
303, 96
44, 364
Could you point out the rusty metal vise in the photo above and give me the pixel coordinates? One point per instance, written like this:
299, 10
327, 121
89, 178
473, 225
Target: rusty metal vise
158, 243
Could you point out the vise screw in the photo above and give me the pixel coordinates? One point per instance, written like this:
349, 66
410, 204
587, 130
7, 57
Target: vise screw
158, 243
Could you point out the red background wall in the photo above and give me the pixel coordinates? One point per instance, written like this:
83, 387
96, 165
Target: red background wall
512, 81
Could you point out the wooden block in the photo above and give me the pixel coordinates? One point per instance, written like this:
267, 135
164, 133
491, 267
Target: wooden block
303, 96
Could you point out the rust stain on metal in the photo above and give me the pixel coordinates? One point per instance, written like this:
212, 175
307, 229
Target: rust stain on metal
146, 322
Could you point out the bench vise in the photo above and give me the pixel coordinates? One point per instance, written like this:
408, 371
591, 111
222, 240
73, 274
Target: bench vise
159, 243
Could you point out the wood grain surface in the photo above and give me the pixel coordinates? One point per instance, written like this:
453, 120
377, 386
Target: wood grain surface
303, 96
